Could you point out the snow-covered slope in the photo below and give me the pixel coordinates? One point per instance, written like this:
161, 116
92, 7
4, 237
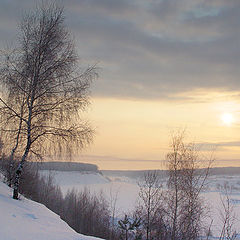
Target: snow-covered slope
29, 220
75, 179
96, 183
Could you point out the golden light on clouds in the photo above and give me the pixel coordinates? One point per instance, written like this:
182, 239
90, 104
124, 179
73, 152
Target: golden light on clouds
141, 129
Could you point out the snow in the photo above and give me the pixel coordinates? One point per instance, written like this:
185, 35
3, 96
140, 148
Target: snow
74, 179
28, 220
97, 183
125, 190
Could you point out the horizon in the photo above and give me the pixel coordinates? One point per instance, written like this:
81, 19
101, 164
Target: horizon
213, 166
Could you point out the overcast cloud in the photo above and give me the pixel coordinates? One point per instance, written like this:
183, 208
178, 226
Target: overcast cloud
149, 49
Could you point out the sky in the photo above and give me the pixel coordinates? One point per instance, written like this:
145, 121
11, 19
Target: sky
163, 65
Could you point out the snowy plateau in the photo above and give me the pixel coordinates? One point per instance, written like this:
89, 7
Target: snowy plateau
29, 220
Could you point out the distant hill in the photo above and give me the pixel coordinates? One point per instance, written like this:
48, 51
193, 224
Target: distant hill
132, 173
67, 166
164, 173
225, 171
87, 167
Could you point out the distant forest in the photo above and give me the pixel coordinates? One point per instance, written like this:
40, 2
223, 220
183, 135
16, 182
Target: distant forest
163, 173
66, 166
87, 167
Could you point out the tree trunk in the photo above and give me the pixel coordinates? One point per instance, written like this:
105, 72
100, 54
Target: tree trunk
11, 174
175, 211
19, 171
28, 146
126, 235
16, 182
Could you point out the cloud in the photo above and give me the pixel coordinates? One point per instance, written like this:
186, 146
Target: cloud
152, 49
209, 146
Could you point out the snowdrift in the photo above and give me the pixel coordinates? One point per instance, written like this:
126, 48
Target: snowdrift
29, 220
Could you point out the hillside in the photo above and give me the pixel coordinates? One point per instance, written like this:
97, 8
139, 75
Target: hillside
28, 220
163, 173
68, 180
66, 166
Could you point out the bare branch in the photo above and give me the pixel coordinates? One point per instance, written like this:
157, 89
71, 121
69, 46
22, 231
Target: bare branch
46, 92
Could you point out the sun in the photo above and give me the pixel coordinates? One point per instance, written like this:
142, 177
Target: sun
227, 119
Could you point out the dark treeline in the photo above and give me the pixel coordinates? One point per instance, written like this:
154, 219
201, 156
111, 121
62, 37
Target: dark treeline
164, 173
67, 166
135, 174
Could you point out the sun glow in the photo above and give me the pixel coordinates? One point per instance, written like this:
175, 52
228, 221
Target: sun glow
227, 119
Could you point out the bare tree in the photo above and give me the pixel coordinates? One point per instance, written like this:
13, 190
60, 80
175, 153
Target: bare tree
149, 209
87, 213
185, 183
113, 198
228, 217
175, 195
45, 91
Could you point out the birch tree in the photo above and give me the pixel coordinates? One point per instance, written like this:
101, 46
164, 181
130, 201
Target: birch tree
186, 182
150, 208
44, 91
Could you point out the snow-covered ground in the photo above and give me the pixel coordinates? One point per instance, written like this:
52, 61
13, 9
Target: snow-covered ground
68, 180
125, 190
28, 220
